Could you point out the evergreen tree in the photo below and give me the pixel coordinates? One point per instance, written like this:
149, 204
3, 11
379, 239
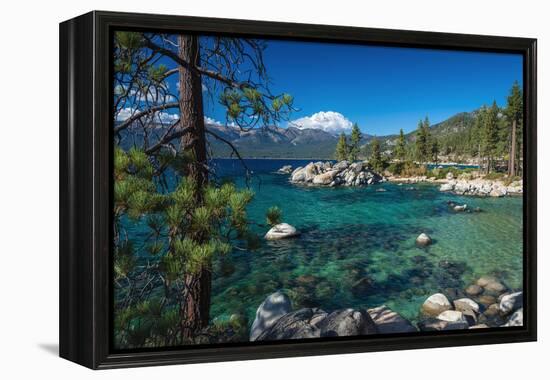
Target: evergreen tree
422, 141
490, 135
514, 113
342, 148
435, 150
375, 161
197, 211
400, 149
355, 139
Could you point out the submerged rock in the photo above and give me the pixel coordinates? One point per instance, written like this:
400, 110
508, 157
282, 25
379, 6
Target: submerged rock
486, 299
362, 286
494, 287
423, 240
274, 307
474, 290
464, 304
435, 305
388, 321
281, 231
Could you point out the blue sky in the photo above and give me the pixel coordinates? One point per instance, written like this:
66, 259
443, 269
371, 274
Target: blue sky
383, 89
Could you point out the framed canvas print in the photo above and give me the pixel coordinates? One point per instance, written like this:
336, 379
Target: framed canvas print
238, 189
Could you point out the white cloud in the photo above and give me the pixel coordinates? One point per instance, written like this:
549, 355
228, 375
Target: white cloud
164, 117
125, 113
210, 121
216, 123
331, 122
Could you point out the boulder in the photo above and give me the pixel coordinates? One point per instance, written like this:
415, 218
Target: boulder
435, 305
458, 208
325, 178
388, 321
494, 287
310, 172
286, 169
362, 286
447, 187
473, 290
464, 304
462, 187
281, 231
516, 319
295, 325
434, 324
274, 307
484, 280
450, 176
342, 165
298, 175
498, 192
347, 322
511, 302
492, 310
451, 316
486, 299
423, 240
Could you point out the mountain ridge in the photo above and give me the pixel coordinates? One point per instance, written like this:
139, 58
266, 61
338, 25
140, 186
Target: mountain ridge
292, 142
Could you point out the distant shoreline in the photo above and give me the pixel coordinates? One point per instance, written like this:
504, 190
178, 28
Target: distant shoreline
332, 159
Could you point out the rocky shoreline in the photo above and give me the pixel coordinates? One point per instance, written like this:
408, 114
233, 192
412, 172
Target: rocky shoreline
483, 304
328, 174
344, 173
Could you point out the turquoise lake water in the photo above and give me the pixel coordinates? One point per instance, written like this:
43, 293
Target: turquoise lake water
349, 234
360, 235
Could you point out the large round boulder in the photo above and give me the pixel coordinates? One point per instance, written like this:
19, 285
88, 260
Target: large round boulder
451, 316
347, 322
300, 324
465, 304
423, 240
435, 305
281, 231
274, 307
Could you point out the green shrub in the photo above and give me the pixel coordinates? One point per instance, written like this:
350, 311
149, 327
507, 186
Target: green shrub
441, 173
273, 216
407, 169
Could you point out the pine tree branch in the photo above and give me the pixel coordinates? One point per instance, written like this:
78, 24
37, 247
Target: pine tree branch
138, 115
206, 72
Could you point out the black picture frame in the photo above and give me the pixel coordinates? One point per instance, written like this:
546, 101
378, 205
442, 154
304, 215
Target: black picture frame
86, 187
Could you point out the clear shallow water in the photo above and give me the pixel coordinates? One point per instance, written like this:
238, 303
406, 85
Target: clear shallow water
349, 234
356, 236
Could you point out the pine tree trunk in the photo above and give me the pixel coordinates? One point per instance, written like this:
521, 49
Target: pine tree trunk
512, 158
195, 308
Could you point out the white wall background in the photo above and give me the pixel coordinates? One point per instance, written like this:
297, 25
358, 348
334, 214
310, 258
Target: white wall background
29, 186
